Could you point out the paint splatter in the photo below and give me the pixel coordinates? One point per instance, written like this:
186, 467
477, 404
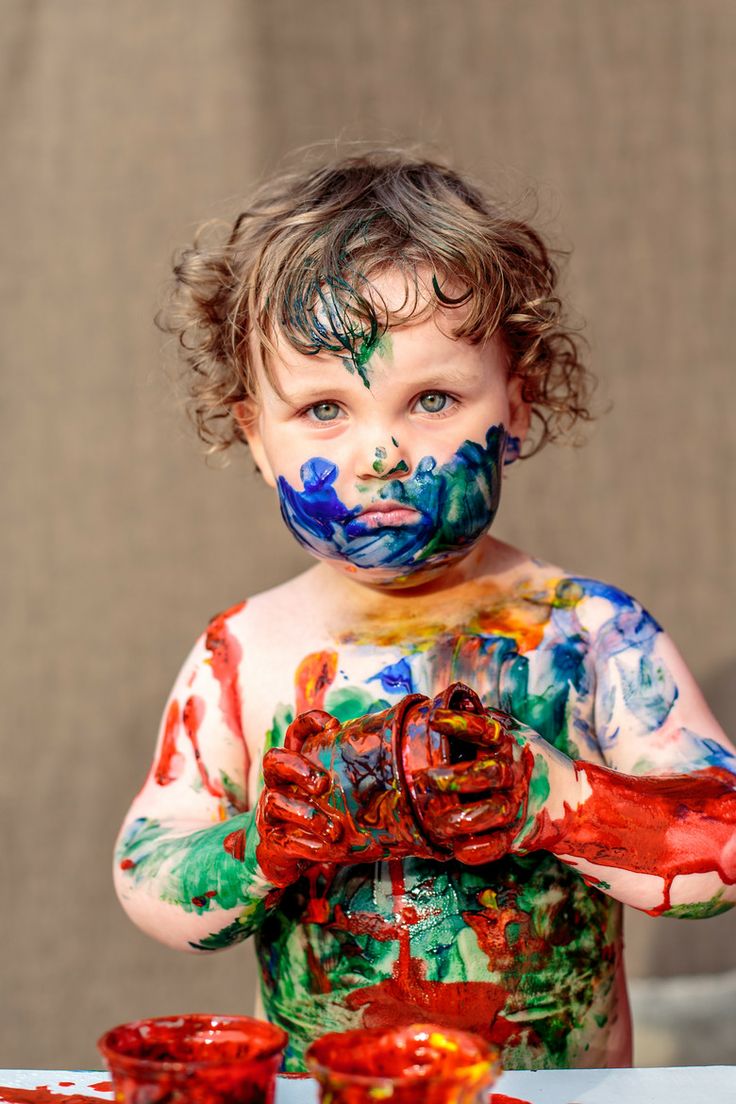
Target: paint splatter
455, 504
44, 1095
225, 657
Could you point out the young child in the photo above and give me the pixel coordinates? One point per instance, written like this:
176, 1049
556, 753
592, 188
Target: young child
383, 336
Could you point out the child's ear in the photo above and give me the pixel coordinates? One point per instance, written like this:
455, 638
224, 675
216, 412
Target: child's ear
520, 412
247, 415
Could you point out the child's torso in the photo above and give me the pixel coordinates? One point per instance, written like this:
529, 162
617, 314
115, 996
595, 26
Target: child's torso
520, 949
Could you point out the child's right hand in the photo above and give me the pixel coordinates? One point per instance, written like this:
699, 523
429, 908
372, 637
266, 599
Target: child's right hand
300, 816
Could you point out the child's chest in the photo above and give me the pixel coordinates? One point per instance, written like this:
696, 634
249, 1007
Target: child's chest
531, 659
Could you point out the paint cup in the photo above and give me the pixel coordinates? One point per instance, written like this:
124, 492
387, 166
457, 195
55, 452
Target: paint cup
194, 1059
381, 760
423, 1062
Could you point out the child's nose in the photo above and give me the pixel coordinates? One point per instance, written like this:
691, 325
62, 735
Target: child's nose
384, 461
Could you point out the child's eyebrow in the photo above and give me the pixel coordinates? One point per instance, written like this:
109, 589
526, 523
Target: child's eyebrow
311, 393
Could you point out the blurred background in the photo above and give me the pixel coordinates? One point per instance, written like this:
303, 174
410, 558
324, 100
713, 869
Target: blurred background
124, 125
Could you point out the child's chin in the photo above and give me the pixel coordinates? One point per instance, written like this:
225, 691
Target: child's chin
396, 576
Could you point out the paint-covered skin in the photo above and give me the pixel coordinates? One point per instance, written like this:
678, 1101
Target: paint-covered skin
454, 504
526, 948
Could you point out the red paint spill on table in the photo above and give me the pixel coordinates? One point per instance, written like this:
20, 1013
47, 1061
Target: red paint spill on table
99, 1086
43, 1095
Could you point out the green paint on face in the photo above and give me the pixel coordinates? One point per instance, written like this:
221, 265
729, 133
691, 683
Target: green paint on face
378, 464
360, 361
401, 468
394, 442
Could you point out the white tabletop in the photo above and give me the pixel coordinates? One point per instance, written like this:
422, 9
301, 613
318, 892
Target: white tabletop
679, 1085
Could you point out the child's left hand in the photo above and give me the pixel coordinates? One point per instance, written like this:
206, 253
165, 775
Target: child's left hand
491, 780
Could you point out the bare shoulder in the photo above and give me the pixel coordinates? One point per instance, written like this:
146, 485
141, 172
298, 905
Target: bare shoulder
599, 605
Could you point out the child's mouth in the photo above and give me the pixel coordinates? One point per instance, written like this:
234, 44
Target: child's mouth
384, 515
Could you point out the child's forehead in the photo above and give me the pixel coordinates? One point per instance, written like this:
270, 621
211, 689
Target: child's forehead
355, 316
424, 352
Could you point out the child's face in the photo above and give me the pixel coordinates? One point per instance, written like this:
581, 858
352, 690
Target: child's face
395, 481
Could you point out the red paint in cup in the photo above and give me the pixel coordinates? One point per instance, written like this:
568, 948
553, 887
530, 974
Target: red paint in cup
423, 1062
194, 1059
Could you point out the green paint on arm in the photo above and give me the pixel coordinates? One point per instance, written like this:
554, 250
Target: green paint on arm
193, 870
700, 910
539, 791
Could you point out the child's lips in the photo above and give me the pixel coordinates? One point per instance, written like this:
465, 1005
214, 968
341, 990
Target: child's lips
382, 515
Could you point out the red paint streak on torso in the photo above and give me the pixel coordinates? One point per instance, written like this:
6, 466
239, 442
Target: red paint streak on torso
169, 765
314, 676
502, 1098
490, 927
665, 826
42, 1095
408, 997
192, 717
226, 654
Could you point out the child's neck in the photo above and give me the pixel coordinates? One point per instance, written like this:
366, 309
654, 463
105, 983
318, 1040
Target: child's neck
490, 565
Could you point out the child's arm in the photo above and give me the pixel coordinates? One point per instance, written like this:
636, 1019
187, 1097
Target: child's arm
656, 828
186, 869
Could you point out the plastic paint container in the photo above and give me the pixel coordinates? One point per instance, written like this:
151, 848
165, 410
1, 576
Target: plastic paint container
423, 1062
194, 1059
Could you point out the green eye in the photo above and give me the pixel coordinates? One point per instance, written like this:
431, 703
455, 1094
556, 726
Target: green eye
325, 412
433, 401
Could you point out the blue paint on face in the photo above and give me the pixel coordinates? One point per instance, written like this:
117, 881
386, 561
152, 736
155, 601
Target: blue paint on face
456, 502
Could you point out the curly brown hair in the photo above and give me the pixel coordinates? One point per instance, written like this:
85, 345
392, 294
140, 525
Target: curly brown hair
298, 262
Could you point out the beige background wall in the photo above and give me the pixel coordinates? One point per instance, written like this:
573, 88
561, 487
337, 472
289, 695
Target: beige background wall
124, 124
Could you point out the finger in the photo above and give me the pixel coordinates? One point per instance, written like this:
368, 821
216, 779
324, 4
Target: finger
289, 768
480, 776
306, 725
279, 808
300, 845
488, 849
470, 820
476, 728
